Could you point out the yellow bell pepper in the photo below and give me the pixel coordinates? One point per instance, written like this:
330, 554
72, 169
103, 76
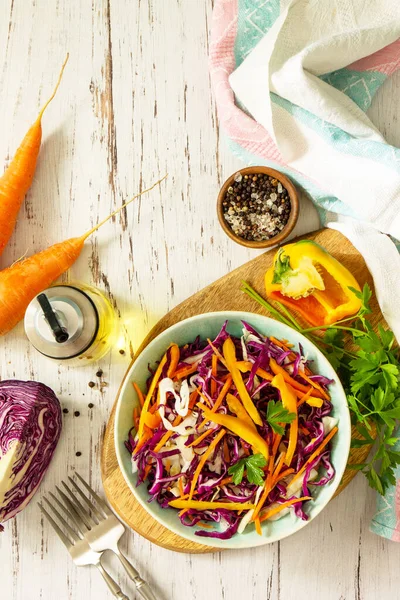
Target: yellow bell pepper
306, 278
230, 361
241, 428
237, 407
289, 401
201, 505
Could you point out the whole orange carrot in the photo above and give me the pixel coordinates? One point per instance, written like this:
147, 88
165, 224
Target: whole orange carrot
18, 177
24, 280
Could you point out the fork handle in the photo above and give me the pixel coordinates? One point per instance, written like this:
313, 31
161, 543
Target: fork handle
128, 566
112, 584
142, 586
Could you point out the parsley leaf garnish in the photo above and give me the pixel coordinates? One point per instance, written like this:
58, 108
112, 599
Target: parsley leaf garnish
253, 465
278, 414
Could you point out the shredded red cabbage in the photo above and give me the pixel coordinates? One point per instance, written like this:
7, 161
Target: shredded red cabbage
169, 471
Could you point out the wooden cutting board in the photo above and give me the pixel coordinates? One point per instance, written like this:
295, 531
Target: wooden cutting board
224, 294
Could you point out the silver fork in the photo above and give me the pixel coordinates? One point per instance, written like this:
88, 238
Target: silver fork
101, 528
79, 549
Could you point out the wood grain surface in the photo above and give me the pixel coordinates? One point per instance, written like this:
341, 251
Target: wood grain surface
223, 294
135, 102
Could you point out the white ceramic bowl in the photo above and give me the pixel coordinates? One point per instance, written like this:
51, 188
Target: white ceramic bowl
207, 326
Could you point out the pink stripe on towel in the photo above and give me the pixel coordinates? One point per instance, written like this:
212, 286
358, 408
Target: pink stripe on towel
396, 530
386, 61
241, 128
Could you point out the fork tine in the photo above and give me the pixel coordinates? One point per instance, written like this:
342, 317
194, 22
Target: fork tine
70, 510
67, 526
83, 513
67, 542
92, 507
99, 500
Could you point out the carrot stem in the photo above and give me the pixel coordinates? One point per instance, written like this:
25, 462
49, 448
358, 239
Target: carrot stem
115, 212
55, 89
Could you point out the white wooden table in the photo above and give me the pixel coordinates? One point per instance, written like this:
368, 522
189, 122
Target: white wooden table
134, 103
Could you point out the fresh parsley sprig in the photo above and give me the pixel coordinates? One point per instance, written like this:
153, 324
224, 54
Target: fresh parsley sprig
253, 465
369, 370
277, 415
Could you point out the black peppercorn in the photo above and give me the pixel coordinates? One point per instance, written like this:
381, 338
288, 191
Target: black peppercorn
256, 207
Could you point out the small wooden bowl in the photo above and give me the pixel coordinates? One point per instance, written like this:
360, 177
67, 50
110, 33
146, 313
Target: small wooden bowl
294, 207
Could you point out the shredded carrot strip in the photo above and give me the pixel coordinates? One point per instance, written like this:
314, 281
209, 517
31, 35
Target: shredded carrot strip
147, 434
280, 343
226, 481
175, 354
206, 400
227, 458
139, 393
202, 437
258, 526
304, 397
185, 371
315, 384
149, 396
203, 460
276, 509
217, 352
167, 465
146, 471
136, 417
277, 369
315, 453
220, 398
278, 467
180, 486
167, 435
193, 399
264, 374
267, 489
304, 429
282, 475
277, 441
204, 525
214, 366
289, 401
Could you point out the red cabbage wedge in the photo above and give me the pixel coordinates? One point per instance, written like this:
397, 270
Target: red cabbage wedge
30, 426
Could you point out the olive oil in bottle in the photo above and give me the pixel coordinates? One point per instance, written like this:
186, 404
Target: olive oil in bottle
73, 324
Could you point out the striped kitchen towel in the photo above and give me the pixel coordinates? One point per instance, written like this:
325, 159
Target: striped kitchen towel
293, 80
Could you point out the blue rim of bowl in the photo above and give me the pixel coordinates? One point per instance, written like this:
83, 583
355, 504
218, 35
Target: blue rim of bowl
215, 542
